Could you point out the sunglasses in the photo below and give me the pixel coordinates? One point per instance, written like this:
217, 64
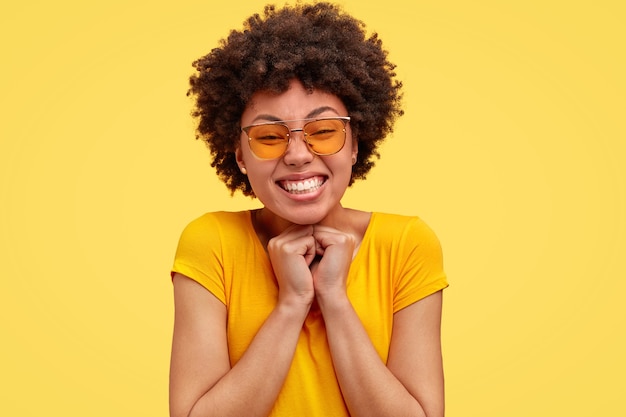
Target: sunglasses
324, 136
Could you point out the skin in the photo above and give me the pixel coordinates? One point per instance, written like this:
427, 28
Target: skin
311, 240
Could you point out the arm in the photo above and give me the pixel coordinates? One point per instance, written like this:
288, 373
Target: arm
412, 382
202, 382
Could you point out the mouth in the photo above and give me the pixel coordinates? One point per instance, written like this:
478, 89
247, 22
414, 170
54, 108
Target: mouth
302, 186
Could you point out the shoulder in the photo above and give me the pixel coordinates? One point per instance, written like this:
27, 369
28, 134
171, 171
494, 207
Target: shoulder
212, 227
404, 237
415, 253
398, 226
220, 218
217, 221
207, 243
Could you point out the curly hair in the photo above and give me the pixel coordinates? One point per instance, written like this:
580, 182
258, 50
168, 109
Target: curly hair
318, 44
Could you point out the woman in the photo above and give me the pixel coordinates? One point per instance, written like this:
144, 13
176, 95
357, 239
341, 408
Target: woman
303, 307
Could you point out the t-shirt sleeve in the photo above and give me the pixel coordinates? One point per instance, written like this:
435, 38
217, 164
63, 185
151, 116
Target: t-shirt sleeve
199, 255
422, 272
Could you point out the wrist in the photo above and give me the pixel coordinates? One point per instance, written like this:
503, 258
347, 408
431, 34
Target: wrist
330, 301
296, 306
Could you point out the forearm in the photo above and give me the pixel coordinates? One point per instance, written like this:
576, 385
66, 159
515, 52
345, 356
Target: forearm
368, 386
251, 387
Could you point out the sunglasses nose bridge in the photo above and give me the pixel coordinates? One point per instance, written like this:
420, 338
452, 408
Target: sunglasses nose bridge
291, 138
299, 129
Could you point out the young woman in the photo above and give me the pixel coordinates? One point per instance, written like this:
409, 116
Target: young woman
303, 307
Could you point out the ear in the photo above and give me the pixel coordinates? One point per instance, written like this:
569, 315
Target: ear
240, 162
355, 150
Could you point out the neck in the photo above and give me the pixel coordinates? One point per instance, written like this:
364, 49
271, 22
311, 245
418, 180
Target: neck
268, 225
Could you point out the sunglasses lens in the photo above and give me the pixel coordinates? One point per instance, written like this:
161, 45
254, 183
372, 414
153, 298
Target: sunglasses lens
325, 137
268, 141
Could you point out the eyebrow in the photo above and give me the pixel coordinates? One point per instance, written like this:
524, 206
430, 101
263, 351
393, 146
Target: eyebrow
312, 114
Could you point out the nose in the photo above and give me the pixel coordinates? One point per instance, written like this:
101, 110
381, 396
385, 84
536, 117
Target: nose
298, 152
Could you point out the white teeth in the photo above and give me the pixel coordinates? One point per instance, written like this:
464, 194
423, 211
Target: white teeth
303, 186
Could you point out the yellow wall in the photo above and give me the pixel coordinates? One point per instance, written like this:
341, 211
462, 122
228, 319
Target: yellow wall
513, 148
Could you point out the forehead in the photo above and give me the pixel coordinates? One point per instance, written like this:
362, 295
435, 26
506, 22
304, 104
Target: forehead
295, 103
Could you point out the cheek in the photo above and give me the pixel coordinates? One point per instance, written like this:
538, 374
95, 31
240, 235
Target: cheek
342, 168
259, 174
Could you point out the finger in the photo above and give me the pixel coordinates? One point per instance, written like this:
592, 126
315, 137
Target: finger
293, 232
319, 249
304, 246
327, 238
311, 251
290, 234
322, 228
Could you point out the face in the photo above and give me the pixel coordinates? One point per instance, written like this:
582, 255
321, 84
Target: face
299, 186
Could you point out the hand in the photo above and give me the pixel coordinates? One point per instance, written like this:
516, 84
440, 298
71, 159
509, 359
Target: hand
291, 253
330, 273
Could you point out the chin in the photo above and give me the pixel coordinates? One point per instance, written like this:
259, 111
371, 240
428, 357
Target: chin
305, 216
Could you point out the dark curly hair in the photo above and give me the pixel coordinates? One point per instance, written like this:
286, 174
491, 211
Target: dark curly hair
318, 44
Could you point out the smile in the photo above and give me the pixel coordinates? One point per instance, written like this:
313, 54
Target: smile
302, 186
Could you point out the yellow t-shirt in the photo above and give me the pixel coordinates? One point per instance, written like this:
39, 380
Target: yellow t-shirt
398, 263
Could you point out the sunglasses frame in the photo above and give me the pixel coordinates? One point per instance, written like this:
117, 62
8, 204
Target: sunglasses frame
344, 119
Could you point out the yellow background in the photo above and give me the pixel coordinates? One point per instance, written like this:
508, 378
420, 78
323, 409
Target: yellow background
513, 148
